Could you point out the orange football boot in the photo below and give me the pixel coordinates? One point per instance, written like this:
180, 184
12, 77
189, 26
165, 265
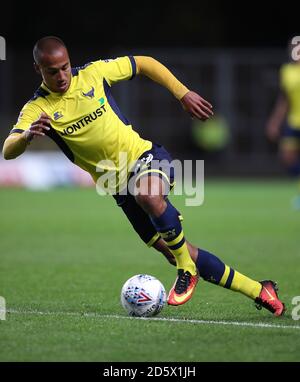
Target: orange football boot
268, 298
183, 288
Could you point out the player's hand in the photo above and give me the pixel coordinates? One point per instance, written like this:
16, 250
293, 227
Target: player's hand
197, 106
273, 131
38, 127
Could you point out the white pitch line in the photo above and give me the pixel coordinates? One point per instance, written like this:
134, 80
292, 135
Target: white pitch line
162, 319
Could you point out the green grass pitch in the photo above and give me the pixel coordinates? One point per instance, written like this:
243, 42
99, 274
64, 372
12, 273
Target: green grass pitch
65, 254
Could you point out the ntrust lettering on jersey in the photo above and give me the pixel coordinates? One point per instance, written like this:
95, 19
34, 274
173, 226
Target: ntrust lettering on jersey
84, 121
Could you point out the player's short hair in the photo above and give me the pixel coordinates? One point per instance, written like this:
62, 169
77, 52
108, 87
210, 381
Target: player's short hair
47, 44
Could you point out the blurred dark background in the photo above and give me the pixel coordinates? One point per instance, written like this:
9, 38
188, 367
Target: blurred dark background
230, 53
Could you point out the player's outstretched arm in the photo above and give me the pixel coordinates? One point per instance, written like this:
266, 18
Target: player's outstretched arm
192, 102
16, 144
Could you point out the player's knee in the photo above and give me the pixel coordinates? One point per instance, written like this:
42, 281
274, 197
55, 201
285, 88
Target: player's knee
152, 204
291, 162
289, 158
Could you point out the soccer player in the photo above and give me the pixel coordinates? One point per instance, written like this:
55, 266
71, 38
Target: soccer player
284, 121
75, 108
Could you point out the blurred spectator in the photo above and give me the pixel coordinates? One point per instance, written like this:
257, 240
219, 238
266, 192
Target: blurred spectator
284, 121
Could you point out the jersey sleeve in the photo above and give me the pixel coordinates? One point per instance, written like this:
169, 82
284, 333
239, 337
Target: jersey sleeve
115, 70
28, 114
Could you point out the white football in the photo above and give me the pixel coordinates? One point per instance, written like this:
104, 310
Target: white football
143, 296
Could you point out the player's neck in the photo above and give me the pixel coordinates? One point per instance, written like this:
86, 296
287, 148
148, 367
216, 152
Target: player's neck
44, 85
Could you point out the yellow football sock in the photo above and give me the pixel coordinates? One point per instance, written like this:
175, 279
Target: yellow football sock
179, 249
238, 282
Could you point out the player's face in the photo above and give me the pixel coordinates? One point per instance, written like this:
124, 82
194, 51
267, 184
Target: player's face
56, 70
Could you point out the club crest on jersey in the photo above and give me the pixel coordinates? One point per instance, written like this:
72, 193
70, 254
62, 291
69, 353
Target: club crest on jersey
90, 94
57, 115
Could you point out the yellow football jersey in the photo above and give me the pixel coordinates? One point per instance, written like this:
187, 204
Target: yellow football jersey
290, 84
86, 122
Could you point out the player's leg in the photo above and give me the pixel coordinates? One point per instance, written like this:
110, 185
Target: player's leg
138, 218
150, 195
143, 226
291, 160
289, 151
209, 266
213, 270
